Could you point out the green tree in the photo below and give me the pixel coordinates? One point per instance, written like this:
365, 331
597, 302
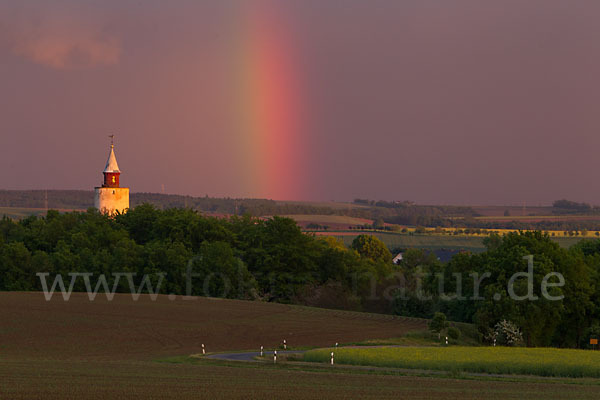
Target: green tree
220, 274
371, 247
438, 323
453, 333
334, 243
15, 267
538, 317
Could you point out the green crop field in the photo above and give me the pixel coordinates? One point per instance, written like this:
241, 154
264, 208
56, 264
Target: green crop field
425, 241
328, 219
432, 241
19, 212
493, 360
24, 212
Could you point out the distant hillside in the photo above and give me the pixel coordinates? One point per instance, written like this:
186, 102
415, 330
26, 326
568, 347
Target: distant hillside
563, 215
83, 199
55, 199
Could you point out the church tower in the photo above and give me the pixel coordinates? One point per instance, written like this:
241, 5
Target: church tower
110, 198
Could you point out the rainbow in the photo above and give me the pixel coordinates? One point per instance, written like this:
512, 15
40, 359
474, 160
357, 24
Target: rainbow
270, 107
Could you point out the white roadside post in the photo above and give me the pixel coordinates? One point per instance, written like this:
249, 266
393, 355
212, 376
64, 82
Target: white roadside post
446, 340
494, 342
261, 351
203, 350
275, 357
284, 344
332, 358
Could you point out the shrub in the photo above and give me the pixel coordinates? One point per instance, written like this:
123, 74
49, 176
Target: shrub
508, 334
453, 333
438, 323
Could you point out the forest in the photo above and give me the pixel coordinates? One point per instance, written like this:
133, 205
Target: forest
271, 259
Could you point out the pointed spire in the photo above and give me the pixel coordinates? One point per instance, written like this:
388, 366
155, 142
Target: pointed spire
111, 163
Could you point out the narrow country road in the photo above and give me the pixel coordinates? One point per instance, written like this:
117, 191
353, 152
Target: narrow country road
249, 356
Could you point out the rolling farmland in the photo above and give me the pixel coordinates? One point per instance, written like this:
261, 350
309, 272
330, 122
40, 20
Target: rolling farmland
101, 349
125, 329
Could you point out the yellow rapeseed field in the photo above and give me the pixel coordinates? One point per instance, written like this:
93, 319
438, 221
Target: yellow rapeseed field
493, 360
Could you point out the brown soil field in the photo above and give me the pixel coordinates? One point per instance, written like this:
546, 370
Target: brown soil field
145, 329
109, 350
150, 380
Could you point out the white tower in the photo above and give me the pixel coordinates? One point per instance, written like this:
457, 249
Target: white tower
110, 198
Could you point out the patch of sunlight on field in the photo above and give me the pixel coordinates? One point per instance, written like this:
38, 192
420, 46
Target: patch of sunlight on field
328, 219
493, 360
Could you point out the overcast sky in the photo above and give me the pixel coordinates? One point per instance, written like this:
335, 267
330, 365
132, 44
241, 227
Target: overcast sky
457, 102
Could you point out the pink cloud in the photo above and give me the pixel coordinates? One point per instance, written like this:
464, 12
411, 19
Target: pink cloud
62, 41
66, 52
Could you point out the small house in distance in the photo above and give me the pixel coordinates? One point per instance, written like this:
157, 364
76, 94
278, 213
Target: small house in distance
397, 258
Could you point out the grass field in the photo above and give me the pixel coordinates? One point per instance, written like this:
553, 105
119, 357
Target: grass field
330, 220
21, 212
432, 241
493, 360
109, 350
397, 240
18, 212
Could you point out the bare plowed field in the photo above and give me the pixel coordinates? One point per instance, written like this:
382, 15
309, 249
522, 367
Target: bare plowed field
145, 329
108, 350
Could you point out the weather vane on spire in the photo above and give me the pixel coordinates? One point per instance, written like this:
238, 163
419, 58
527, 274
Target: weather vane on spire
112, 139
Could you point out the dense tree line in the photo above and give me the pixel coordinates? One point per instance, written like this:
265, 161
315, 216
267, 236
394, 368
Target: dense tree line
568, 322
567, 207
272, 260
449, 211
237, 257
